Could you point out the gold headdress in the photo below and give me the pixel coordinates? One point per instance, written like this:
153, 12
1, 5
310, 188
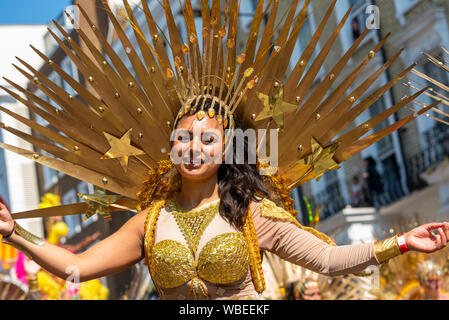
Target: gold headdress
112, 135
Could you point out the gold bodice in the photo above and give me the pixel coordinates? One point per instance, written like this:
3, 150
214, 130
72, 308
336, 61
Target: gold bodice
223, 260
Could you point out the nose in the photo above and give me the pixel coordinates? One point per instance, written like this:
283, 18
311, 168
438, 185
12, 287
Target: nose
195, 148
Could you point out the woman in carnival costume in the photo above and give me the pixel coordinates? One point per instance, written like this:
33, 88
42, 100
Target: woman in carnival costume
213, 200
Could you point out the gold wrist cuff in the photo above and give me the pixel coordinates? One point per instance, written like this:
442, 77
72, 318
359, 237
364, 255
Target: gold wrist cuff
28, 236
386, 249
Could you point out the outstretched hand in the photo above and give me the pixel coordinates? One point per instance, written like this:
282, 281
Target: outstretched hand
422, 239
6, 221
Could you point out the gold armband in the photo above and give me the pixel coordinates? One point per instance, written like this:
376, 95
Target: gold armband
28, 236
386, 249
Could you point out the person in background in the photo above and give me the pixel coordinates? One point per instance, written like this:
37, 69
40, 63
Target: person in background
307, 290
374, 182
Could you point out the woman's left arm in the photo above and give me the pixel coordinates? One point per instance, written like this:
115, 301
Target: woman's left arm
278, 233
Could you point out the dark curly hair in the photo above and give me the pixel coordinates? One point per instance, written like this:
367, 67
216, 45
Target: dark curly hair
238, 184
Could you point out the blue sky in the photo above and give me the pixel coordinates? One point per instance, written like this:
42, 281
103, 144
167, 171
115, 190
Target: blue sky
31, 11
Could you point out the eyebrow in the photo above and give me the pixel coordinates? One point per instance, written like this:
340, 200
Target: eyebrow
205, 131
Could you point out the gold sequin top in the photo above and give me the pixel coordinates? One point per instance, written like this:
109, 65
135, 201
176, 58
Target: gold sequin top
198, 255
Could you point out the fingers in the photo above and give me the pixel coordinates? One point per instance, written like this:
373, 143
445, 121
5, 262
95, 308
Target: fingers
446, 230
433, 226
443, 239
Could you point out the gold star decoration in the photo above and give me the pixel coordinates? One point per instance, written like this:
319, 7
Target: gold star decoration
98, 202
121, 149
320, 160
274, 107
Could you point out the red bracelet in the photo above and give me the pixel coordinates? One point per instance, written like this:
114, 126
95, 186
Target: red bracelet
401, 244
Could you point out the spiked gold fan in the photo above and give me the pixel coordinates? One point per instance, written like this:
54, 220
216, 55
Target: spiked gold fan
112, 136
440, 95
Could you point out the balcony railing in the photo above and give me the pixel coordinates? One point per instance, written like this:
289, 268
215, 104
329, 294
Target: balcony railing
331, 201
437, 140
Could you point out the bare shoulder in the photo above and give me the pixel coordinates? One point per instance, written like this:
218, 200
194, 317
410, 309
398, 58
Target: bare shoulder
137, 222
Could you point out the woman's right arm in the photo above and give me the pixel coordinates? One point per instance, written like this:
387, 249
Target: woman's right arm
116, 253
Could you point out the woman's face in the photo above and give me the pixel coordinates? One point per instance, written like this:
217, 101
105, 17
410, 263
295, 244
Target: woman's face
198, 147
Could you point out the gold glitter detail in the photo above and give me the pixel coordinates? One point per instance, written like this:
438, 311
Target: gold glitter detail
149, 227
28, 236
255, 262
224, 259
172, 264
386, 249
193, 223
198, 289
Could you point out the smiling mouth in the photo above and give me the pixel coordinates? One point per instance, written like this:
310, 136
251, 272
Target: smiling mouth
193, 163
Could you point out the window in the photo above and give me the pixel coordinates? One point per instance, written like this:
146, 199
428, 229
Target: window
402, 7
385, 145
4, 193
356, 23
72, 221
305, 35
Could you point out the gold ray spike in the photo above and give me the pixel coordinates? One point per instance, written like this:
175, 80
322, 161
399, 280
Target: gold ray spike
274, 107
91, 100
73, 209
327, 128
121, 149
119, 104
298, 71
344, 154
326, 106
98, 203
113, 184
307, 81
287, 49
321, 159
363, 128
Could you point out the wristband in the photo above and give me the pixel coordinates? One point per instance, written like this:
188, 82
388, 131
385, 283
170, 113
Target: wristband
401, 244
386, 249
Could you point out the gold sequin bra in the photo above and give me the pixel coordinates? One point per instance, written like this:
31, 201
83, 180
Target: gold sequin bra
223, 260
